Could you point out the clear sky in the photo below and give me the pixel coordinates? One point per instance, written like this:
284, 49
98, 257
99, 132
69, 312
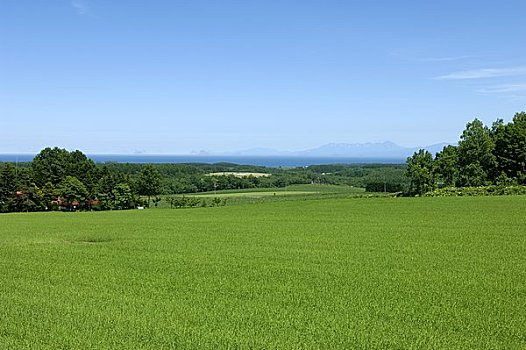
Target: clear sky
170, 76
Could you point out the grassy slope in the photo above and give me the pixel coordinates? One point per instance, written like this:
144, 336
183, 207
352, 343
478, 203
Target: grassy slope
339, 273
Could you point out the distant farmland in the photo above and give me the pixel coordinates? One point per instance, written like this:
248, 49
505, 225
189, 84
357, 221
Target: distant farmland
354, 273
239, 174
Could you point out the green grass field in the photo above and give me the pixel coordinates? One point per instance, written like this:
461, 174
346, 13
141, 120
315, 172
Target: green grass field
261, 195
310, 188
292, 189
353, 273
253, 194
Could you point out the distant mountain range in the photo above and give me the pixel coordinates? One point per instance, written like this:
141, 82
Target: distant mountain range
345, 150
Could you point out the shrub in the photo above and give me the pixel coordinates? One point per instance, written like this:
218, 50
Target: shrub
501, 190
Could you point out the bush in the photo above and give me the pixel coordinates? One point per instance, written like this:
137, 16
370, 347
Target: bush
183, 202
501, 190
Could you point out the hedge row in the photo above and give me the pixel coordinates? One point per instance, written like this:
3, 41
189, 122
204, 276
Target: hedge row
477, 191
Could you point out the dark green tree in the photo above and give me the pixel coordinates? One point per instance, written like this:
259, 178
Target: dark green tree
510, 148
49, 193
420, 172
149, 182
109, 178
84, 169
28, 198
476, 161
50, 165
123, 196
8, 182
54, 164
73, 190
445, 166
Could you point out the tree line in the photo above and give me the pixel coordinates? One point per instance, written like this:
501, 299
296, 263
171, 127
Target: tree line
58, 179
484, 156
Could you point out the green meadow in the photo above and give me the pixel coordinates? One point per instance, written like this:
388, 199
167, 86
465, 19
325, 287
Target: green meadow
340, 273
273, 194
255, 194
287, 191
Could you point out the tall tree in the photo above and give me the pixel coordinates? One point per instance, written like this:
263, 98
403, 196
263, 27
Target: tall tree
28, 198
48, 193
54, 164
476, 161
123, 196
149, 182
50, 165
8, 181
73, 190
445, 166
420, 172
510, 148
84, 169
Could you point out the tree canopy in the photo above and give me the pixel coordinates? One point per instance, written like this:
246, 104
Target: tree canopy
484, 156
149, 182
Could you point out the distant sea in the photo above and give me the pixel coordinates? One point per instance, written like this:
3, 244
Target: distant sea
268, 161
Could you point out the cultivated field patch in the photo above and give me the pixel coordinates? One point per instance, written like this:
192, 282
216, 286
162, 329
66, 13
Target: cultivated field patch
255, 194
240, 174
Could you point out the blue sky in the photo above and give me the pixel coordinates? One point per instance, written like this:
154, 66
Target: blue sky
169, 76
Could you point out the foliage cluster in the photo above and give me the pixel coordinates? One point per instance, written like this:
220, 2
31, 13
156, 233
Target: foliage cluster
501, 190
484, 156
193, 202
58, 179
